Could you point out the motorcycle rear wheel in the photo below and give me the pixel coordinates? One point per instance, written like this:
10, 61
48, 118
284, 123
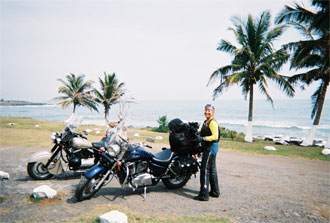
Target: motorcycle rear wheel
86, 187
176, 182
37, 171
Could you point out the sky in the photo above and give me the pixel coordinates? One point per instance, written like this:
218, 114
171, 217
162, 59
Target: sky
160, 49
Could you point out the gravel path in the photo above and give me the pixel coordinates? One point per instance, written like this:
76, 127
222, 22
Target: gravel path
255, 188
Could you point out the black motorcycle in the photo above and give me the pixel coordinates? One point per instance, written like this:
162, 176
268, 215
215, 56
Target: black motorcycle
135, 167
71, 152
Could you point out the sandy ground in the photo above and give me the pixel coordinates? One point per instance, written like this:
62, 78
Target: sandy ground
254, 188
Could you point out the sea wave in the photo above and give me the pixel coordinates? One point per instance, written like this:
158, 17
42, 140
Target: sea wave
272, 124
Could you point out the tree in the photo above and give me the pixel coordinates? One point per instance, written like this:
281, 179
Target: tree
254, 61
76, 92
110, 93
311, 53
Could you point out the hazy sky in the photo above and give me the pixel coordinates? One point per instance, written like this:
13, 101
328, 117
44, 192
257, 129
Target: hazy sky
160, 49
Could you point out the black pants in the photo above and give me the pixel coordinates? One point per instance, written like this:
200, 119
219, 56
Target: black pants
208, 174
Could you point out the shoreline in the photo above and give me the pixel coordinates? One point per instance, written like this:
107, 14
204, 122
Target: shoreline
19, 103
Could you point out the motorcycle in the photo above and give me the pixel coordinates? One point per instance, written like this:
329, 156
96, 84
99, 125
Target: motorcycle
135, 167
71, 152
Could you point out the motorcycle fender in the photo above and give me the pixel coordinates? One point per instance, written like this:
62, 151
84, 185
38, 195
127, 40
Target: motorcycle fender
43, 157
94, 170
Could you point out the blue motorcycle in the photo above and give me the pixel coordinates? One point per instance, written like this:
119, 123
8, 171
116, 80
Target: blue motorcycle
135, 167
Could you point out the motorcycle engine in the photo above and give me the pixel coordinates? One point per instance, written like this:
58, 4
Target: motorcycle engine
74, 163
140, 175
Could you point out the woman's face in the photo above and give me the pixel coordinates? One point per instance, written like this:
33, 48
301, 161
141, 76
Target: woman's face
208, 113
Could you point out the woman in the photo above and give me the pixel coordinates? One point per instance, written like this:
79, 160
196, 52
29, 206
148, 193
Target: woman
209, 137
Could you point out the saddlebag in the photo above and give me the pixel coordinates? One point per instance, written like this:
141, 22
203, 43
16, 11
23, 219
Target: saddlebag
183, 137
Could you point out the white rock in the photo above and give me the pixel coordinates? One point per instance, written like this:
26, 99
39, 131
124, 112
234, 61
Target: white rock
88, 130
113, 217
11, 124
36, 126
158, 137
136, 135
97, 132
326, 152
271, 148
44, 191
4, 175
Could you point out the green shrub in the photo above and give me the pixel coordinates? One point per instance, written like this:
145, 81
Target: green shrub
163, 124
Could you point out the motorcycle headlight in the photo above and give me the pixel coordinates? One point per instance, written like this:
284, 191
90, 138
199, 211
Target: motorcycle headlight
114, 150
53, 136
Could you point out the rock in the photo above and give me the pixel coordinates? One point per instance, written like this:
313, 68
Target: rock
11, 124
97, 132
4, 175
44, 191
88, 130
136, 135
113, 217
268, 138
36, 126
158, 137
150, 139
325, 152
271, 148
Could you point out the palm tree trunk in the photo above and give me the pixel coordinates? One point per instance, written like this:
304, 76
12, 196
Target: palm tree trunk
106, 115
310, 137
248, 136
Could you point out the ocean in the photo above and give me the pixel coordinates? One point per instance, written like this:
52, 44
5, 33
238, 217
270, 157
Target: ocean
290, 117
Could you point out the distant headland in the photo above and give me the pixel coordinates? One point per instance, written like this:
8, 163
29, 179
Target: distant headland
18, 103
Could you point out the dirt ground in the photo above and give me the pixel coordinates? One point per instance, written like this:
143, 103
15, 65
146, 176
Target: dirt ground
254, 188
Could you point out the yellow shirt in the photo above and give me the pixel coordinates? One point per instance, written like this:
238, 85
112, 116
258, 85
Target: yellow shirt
213, 125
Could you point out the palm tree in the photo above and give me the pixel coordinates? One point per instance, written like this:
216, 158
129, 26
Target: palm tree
76, 92
110, 94
254, 61
311, 53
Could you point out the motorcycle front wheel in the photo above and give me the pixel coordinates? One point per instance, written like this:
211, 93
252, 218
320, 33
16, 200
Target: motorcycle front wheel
176, 182
87, 187
37, 171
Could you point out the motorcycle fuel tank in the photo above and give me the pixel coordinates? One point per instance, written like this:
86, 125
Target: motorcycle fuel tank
139, 154
80, 143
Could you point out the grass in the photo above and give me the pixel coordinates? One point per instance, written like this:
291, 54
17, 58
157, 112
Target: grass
134, 217
24, 134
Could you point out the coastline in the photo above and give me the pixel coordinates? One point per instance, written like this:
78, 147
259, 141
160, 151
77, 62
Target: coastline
18, 103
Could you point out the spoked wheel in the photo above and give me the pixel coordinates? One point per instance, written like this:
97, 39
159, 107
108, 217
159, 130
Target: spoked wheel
37, 171
176, 182
87, 187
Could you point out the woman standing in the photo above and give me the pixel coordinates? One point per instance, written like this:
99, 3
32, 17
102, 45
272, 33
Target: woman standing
209, 137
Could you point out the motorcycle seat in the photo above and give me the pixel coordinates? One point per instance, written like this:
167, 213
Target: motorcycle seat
163, 158
98, 145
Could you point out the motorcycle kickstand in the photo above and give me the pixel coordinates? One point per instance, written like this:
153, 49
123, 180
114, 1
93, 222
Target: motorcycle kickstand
145, 194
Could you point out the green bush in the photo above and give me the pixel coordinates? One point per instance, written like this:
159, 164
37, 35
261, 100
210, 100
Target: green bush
163, 124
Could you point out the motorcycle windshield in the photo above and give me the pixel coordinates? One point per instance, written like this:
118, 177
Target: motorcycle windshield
72, 124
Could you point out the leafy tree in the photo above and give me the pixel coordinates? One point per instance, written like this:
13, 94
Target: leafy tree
110, 93
311, 53
76, 92
255, 61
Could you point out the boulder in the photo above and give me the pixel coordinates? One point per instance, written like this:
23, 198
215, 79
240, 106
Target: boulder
136, 135
150, 139
325, 152
271, 148
4, 175
158, 137
113, 217
44, 191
